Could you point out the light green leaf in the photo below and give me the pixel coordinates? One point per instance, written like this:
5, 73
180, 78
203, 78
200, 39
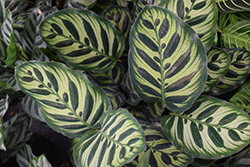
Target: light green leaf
145, 158
201, 15
2, 145
167, 62
163, 152
24, 156
118, 141
236, 35
11, 51
233, 5
218, 64
241, 99
211, 128
237, 73
40, 161
83, 39
70, 103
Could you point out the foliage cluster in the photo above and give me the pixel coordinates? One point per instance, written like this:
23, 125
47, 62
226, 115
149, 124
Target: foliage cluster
130, 83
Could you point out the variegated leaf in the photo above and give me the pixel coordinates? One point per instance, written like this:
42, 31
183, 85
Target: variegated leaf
120, 17
6, 28
237, 73
17, 136
118, 141
101, 5
2, 11
241, 99
31, 107
167, 62
163, 152
15, 6
233, 5
69, 102
40, 161
236, 35
24, 156
211, 128
83, 39
138, 5
81, 4
201, 15
218, 64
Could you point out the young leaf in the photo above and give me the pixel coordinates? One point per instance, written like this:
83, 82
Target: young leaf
83, 39
70, 103
167, 62
211, 128
228, 6
11, 51
40, 162
201, 15
118, 141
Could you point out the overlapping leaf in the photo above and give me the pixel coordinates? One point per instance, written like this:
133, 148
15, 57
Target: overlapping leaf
163, 152
69, 102
120, 17
233, 5
218, 64
101, 5
40, 162
4, 105
236, 35
83, 39
118, 141
237, 73
31, 107
211, 128
241, 99
201, 15
17, 135
167, 62
24, 156
82, 4
138, 5
15, 6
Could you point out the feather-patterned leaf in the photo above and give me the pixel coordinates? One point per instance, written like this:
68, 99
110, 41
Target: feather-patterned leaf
69, 102
163, 152
211, 128
138, 5
6, 28
237, 73
228, 6
83, 39
118, 141
201, 15
24, 156
218, 64
81, 4
236, 35
120, 17
167, 62
15, 6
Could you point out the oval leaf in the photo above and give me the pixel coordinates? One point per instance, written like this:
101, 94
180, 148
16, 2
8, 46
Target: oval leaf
211, 128
201, 15
218, 64
167, 61
163, 152
118, 141
70, 103
83, 39
237, 73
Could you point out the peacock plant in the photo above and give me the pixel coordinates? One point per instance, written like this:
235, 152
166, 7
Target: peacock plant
134, 85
